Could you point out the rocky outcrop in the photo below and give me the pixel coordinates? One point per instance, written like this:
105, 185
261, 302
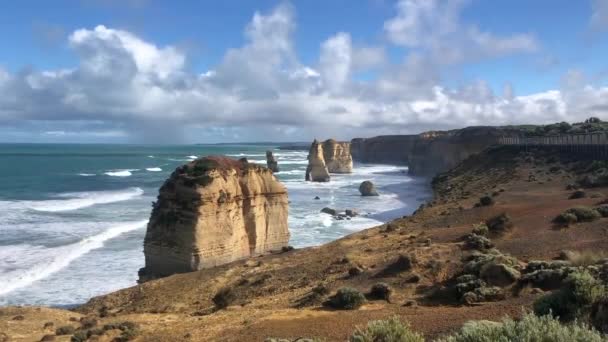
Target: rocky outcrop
367, 188
271, 162
337, 156
317, 169
427, 153
212, 211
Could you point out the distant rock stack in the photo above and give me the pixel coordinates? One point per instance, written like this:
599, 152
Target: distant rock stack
271, 162
316, 170
212, 211
337, 156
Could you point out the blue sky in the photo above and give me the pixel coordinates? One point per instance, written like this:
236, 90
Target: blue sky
372, 66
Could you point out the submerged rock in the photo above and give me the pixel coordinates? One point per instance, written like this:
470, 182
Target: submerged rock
271, 162
212, 211
368, 188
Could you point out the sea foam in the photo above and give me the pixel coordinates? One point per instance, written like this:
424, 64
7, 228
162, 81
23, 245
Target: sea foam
78, 200
119, 173
21, 265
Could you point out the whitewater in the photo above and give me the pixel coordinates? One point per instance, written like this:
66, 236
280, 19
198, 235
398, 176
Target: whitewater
75, 229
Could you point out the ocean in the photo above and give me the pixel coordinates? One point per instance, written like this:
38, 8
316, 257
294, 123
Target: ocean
73, 217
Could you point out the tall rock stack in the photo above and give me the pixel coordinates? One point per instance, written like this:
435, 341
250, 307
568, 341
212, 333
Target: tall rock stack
337, 156
212, 211
271, 162
316, 170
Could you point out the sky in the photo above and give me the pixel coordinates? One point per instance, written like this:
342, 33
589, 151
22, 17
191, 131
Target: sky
152, 71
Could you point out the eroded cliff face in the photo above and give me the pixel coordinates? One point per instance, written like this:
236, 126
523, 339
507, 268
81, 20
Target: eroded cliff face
427, 153
317, 169
212, 211
337, 156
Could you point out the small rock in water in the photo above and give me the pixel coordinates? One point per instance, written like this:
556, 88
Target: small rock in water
351, 213
368, 188
317, 198
329, 211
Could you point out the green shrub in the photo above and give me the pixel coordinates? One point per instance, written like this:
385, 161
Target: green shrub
578, 194
65, 330
574, 300
583, 258
223, 298
565, 218
79, 336
481, 229
390, 330
486, 201
530, 328
346, 298
603, 210
478, 242
380, 291
584, 214
499, 224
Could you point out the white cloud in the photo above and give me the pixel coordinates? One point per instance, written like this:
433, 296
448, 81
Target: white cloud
435, 26
125, 85
335, 61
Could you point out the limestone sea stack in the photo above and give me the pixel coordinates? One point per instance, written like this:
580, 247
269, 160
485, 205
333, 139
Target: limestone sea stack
337, 156
316, 170
271, 162
212, 211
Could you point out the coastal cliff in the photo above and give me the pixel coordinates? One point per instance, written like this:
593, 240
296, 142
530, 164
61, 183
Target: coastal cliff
427, 153
212, 211
317, 169
337, 156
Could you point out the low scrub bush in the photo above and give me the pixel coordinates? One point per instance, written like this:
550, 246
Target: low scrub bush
65, 330
390, 330
380, 291
499, 224
583, 258
582, 214
574, 300
486, 201
529, 328
223, 298
603, 210
578, 194
346, 298
478, 242
565, 219
481, 229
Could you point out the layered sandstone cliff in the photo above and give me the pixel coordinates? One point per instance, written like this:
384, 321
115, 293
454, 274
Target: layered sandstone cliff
427, 153
317, 169
212, 211
337, 156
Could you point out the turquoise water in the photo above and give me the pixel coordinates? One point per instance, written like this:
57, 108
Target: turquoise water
73, 217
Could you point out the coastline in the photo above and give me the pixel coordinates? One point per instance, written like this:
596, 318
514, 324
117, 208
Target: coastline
313, 229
